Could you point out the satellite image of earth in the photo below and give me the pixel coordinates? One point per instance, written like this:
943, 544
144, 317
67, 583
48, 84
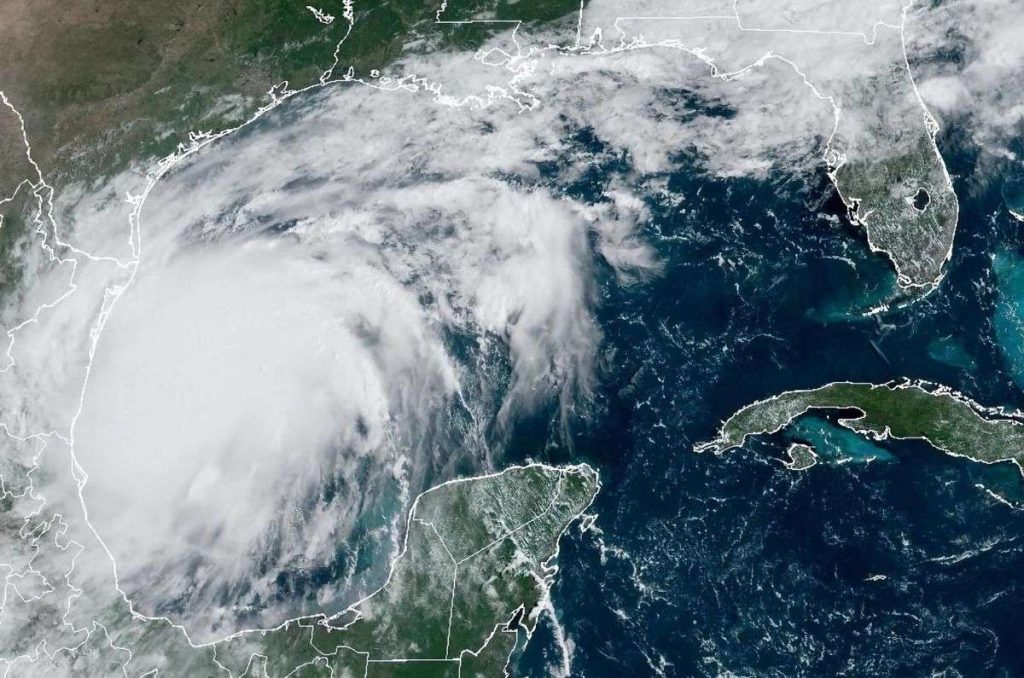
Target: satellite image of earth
531, 338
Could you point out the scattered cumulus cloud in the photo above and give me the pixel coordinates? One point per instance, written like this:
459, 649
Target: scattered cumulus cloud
339, 303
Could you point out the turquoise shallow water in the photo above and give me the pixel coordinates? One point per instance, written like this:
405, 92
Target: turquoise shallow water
835, 444
949, 351
1009, 316
855, 289
707, 565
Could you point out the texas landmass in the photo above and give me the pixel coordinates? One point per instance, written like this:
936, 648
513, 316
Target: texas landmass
947, 420
107, 87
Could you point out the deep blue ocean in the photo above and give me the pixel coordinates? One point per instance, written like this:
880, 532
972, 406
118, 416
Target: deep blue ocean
883, 559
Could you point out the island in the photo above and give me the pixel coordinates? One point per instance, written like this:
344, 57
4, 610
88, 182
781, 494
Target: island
936, 414
800, 457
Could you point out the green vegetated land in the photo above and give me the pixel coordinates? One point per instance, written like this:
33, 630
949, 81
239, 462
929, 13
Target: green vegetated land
477, 562
800, 457
883, 191
103, 83
946, 420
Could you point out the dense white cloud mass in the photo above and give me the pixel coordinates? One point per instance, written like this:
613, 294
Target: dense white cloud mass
969, 60
230, 385
289, 329
350, 292
366, 287
819, 15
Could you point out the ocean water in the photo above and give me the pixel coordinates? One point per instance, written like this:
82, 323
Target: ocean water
704, 565
1013, 191
889, 558
946, 350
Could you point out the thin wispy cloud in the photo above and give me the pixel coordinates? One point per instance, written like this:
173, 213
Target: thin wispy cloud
347, 299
